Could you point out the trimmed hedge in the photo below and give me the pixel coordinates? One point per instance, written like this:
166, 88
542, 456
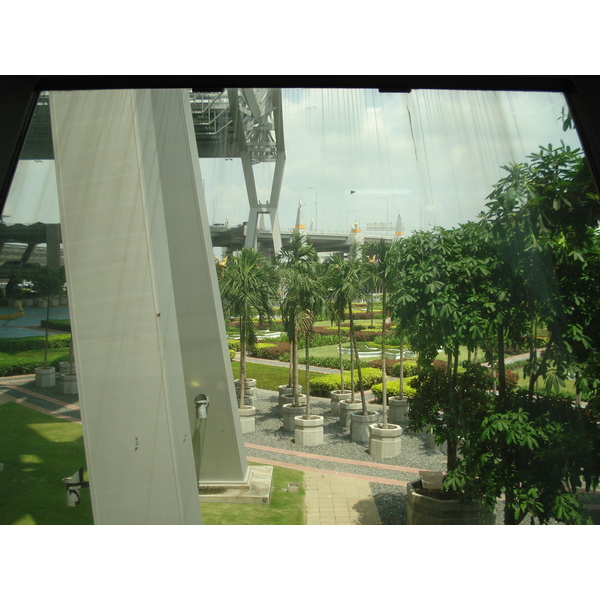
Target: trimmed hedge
12, 345
57, 324
324, 385
393, 388
14, 365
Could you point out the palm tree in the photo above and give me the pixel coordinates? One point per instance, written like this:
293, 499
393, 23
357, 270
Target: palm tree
248, 286
381, 265
346, 282
302, 300
334, 268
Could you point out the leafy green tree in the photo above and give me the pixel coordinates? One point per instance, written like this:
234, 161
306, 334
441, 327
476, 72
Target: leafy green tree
248, 286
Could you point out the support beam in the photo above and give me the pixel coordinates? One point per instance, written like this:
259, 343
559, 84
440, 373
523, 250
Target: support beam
148, 327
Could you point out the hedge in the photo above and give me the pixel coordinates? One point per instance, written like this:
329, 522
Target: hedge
12, 345
393, 388
14, 365
57, 324
323, 386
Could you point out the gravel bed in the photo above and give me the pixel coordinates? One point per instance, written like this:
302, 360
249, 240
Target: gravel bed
390, 499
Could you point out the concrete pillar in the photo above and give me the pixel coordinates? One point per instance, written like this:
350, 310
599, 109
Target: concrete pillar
149, 334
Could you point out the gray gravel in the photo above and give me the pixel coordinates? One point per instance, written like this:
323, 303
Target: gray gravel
389, 499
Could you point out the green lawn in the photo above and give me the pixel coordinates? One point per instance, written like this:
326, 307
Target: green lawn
270, 377
38, 450
285, 508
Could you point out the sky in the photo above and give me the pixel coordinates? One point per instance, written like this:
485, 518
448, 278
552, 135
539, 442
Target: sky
432, 156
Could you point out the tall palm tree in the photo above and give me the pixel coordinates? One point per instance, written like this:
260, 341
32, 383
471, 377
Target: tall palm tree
336, 302
346, 282
248, 286
302, 299
381, 264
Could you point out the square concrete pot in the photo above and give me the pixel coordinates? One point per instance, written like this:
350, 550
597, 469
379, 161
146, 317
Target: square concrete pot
346, 407
45, 377
290, 412
385, 443
248, 419
308, 432
359, 424
67, 384
336, 397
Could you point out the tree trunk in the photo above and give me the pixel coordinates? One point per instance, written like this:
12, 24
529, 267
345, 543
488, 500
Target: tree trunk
307, 392
295, 372
242, 363
501, 368
358, 367
383, 373
341, 357
47, 326
401, 368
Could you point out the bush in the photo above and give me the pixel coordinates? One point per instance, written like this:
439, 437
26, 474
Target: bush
410, 368
323, 386
272, 351
234, 345
329, 362
57, 324
393, 388
12, 345
366, 336
16, 365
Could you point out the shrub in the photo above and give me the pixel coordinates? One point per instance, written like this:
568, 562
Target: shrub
234, 345
17, 365
329, 362
272, 351
366, 336
410, 368
57, 324
12, 345
393, 388
323, 386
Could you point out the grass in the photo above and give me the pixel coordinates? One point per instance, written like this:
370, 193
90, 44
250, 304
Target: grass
38, 450
285, 508
269, 377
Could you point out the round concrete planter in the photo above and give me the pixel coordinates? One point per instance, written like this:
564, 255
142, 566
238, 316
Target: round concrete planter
247, 419
249, 390
385, 443
308, 432
67, 384
336, 397
398, 410
64, 367
359, 424
346, 407
423, 510
286, 390
45, 377
290, 412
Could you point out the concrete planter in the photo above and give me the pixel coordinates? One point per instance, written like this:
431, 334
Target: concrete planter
290, 412
346, 407
45, 377
247, 419
385, 443
336, 397
67, 384
359, 424
64, 367
398, 410
308, 432
249, 390
424, 510
443, 448
286, 390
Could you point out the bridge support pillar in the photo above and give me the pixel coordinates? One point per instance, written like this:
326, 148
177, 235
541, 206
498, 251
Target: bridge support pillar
147, 319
